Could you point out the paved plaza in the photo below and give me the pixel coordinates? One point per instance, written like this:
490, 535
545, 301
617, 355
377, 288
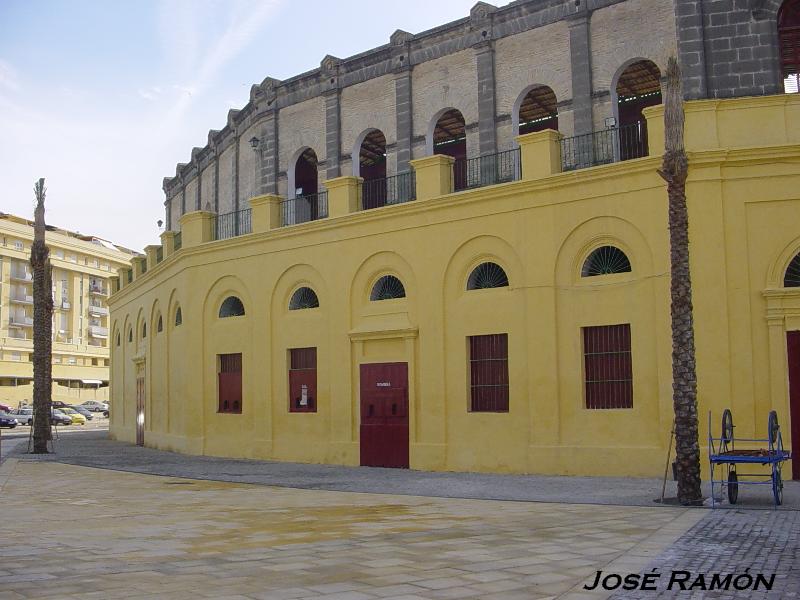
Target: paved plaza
72, 530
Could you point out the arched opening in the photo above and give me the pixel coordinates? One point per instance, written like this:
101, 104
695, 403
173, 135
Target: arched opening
178, 317
606, 260
160, 325
372, 168
792, 276
231, 307
305, 173
387, 287
487, 275
789, 40
144, 330
303, 298
638, 87
449, 137
538, 110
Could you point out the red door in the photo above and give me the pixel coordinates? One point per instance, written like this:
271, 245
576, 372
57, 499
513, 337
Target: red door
140, 411
384, 415
793, 347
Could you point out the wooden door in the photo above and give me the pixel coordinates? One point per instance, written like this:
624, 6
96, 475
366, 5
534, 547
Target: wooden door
140, 399
384, 415
793, 352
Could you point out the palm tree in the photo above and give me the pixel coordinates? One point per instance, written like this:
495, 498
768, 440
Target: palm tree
674, 171
42, 326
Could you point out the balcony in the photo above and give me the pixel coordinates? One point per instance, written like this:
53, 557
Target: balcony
20, 321
20, 299
23, 276
232, 224
99, 311
65, 305
489, 169
97, 331
303, 209
604, 147
388, 190
97, 290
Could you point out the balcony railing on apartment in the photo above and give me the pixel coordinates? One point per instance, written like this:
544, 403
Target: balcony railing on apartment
303, 209
388, 190
22, 299
18, 321
489, 169
228, 225
98, 332
21, 276
604, 147
97, 310
177, 242
98, 289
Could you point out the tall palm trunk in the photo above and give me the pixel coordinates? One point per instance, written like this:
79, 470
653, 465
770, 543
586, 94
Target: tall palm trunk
674, 171
42, 327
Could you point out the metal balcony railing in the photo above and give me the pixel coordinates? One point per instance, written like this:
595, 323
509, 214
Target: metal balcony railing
97, 310
99, 289
20, 321
177, 240
303, 209
489, 169
21, 275
97, 331
228, 225
604, 147
388, 190
22, 299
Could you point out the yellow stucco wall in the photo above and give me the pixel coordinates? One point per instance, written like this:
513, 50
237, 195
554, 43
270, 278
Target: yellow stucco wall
744, 213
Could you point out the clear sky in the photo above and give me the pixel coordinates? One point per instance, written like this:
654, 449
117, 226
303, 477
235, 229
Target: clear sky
104, 97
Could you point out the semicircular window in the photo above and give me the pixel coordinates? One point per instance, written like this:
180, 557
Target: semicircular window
231, 307
792, 277
387, 288
606, 260
304, 297
487, 275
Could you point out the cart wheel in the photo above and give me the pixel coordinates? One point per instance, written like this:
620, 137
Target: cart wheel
727, 427
777, 485
733, 487
773, 428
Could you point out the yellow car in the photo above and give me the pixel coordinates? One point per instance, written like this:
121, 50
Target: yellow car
77, 418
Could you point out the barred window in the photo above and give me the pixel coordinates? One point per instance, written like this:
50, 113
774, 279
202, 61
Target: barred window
608, 370
488, 372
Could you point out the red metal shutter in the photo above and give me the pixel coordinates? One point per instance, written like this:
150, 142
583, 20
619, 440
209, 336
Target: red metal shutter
488, 361
230, 383
608, 370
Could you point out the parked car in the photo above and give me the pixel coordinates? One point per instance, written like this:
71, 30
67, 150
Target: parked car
4, 408
105, 413
23, 415
77, 418
94, 405
7, 420
59, 418
86, 414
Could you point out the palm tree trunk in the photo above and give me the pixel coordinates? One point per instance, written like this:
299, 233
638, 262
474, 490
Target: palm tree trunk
42, 327
674, 171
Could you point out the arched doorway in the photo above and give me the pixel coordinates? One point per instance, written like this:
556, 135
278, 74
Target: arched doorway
789, 36
450, 139
305, 206
372, 168
538, 110
638, 87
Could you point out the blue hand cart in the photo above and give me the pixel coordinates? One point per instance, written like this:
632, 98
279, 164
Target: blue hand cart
723, 453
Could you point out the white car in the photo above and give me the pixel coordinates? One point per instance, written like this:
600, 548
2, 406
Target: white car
95, 406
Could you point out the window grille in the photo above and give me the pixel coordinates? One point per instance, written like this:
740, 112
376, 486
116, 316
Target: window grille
231, 307
387, 288
606, 260
487, 275
608, 371
488, 372
304, 298
792, 277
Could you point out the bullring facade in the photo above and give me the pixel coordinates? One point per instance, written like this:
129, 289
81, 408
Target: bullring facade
451, 252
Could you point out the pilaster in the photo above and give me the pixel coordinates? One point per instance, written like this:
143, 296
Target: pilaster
434, 176
581, 62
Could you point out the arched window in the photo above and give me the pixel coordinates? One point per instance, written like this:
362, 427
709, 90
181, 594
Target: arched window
387, 288
231, 307
130, 335
372, 167
144, 330
160, 325
118, 338
638, 87
538, 111
305, 173
792, 277
450, 135
789, 36
487, 275
304, 297
178, 317
606, 260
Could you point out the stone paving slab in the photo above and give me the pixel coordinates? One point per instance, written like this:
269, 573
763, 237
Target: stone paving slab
94, 449
110, 534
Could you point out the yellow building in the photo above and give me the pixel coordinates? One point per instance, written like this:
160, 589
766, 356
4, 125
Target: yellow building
82, 267
580, 276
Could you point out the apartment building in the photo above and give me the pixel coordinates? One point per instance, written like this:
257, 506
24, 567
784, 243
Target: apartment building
82, 266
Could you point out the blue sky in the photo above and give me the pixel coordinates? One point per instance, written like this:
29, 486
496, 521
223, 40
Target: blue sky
103, 98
